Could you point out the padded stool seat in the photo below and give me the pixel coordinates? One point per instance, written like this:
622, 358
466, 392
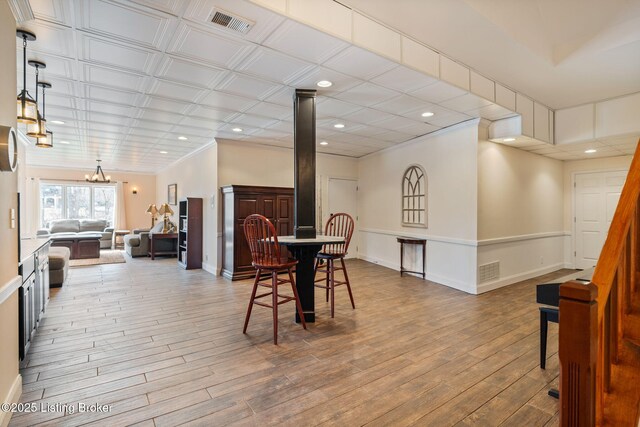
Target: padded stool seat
58, 265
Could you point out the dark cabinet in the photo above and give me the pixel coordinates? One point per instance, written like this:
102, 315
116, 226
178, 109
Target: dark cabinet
240, 201
190, 233
33, 295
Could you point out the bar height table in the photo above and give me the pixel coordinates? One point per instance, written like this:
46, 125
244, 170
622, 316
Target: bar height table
305, 251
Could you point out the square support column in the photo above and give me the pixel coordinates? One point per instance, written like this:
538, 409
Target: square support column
304, 143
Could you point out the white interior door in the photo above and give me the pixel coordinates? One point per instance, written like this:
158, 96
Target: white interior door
596, 197
343, 197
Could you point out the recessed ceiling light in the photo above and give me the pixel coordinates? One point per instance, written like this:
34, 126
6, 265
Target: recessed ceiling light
338, 126
508, 140
163, 152
237, 129
590, 151
182, 138
427, 114
64, 142
57, 122
324, 83
324, 143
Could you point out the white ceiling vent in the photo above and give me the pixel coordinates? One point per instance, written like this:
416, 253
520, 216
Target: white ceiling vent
231, 22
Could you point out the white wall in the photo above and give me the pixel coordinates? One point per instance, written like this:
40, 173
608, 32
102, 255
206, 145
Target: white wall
10, 379
520, 209
246, 163
196, 176
450, 161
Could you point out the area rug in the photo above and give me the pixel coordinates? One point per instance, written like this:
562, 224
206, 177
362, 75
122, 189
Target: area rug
106, 257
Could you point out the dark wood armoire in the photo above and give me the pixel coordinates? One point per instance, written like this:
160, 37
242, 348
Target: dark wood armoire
240, 201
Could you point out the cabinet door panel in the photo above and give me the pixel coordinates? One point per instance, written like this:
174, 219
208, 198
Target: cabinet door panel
246, 206
285, 215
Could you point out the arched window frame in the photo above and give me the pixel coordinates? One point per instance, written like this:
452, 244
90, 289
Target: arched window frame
414, 197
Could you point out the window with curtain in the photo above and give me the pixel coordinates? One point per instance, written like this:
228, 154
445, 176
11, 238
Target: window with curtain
414, 197
76, 201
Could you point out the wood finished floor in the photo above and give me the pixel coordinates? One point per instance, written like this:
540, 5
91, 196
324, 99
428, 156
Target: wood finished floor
164, 347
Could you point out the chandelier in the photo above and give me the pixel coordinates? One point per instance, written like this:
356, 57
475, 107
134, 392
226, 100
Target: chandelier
98, 175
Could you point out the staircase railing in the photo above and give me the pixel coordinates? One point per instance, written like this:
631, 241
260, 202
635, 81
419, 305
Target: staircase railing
593, 316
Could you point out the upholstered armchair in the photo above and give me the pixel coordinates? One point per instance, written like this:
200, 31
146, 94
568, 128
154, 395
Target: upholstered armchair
137, 243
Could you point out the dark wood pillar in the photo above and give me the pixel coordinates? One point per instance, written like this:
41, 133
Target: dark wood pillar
304, 147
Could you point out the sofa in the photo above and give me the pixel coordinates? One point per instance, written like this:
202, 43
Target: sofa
137, 243
80, 226
58, 265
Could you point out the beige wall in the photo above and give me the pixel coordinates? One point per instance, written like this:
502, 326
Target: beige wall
519, 193
196, 176
135, 204
8, 194
590, 165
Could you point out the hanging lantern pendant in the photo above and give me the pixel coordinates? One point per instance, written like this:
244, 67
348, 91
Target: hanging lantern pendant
45, 141
27, 109
37, 129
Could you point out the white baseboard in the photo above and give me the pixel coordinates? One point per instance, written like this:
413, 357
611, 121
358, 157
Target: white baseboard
505, 281
12, 397
210, 268
441, 280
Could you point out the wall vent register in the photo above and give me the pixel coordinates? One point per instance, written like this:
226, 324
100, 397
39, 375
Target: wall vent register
488, 272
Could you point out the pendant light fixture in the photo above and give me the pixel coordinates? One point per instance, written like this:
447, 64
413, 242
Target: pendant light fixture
45, 141
27, 110
98, 175
37, 129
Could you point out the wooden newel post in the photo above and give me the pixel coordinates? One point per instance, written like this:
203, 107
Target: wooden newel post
578, 353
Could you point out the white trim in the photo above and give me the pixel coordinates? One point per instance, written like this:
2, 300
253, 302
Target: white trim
521, 238
452, 240
22, 12
12, 397
515, 278
440, 280
209, 268
8, 289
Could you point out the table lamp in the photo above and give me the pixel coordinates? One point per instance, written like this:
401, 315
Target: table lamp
153, 211
165, 210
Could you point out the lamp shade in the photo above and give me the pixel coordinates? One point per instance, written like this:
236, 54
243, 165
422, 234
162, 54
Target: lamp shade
152, 209
165, 209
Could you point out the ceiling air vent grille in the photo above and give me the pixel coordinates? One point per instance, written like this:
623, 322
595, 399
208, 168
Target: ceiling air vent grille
488, 272
231, 22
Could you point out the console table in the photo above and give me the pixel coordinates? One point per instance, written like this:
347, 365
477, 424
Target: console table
413, 241
154, 237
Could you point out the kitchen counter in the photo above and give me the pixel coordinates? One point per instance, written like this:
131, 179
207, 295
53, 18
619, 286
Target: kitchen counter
29, 246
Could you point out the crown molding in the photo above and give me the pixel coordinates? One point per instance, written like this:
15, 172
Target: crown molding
21, 10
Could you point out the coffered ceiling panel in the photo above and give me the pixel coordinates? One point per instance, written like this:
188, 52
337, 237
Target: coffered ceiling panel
127, 22
56, 11
306, 43
273, 66
131, 77
189, 72
195, 43
102, 51
262, 22
249, 87
112, 77
111, 95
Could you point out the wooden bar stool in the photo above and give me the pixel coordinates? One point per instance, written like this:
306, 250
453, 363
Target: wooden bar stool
340, 224
265, 253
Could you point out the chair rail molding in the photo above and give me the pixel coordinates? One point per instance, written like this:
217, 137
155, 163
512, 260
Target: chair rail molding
9, 288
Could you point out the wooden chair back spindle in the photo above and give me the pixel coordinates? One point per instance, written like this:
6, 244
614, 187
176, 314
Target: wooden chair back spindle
263, 241
342, 225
